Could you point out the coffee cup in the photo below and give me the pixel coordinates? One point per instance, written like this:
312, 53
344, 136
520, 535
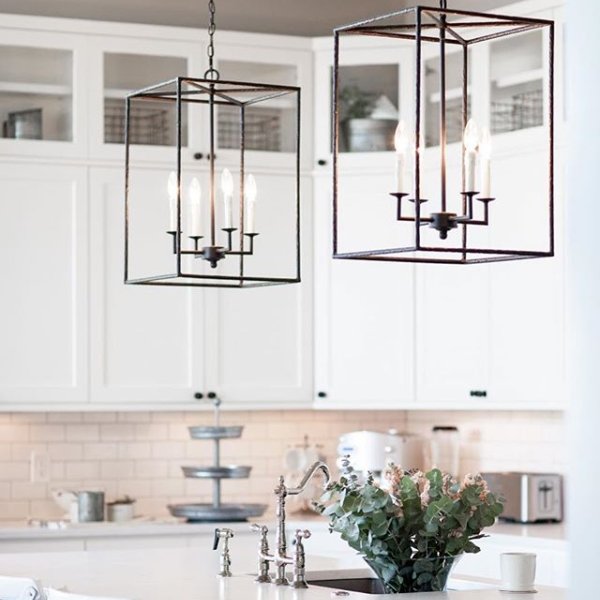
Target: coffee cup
517, 571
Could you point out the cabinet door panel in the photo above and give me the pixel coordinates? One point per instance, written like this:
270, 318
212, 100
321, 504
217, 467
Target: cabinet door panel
259, 341
527, 310
452, 334
365, 310
143, 337
42, 347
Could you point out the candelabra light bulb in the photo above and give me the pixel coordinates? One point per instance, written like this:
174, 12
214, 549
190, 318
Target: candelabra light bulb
250, 192
401, 138
172, 186
195, 192
227, 182
471, 136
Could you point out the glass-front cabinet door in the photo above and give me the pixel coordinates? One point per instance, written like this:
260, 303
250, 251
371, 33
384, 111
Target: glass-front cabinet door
271, 125
40, 112
128, 65
375, 82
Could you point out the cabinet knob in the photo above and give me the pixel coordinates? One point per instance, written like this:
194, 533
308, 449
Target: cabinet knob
478, 393
211, 395
322, 394
198, 155
321, 162
199, 395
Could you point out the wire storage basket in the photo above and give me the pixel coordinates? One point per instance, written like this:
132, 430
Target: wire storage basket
521, 111
263, 129
147, 125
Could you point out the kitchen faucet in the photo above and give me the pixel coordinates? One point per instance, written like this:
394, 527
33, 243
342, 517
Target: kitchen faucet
280, 558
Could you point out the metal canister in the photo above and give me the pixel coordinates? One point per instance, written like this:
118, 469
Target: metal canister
91, 506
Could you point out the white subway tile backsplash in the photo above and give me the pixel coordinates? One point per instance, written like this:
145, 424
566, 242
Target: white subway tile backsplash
100, 450
140, 454
82, 470
83, 433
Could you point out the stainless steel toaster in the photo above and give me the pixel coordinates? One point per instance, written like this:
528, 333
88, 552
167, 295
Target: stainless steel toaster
528, 497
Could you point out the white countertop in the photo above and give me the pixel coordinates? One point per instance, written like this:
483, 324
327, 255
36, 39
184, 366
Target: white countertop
190, 574
156, 527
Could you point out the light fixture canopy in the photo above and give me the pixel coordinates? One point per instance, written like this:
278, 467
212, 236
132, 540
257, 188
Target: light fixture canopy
455, 211
211, 238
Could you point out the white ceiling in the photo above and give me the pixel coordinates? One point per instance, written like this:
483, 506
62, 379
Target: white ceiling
296, 17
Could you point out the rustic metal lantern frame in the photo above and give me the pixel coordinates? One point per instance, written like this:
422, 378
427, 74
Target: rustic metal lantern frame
234, 241
442, 26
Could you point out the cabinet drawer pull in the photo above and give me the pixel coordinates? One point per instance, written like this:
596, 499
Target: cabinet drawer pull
199, 395
198, 155
321, 162
478, 394
322, 394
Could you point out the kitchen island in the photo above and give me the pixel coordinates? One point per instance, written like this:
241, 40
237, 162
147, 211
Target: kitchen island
191, 574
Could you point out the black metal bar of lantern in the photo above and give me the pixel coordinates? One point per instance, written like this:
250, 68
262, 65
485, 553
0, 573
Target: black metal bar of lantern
298, 209
126, 203
242, 184
443, 221
335, 126
551, 57
178, 245
443, 130
418, 76
465, 119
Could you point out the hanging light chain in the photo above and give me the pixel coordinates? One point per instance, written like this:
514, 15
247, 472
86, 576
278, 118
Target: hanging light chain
211, 73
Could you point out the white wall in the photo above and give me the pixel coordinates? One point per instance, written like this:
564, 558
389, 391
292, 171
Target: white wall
583, 66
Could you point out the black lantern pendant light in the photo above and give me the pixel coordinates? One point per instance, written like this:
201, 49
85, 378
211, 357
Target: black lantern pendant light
455, 212
212, 242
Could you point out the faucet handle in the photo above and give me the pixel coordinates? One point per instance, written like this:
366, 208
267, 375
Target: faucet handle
222, 534
301, 534
262, 529
299, 579
225, 558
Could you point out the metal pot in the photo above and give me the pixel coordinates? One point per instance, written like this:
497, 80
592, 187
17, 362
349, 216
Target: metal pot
370, 135
91, 506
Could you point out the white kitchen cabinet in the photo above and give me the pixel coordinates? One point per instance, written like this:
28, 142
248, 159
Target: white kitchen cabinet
374, 74
159, 346
385, 335
365, 319
121, 65
452, 306
270, 125
43, 346
146, 341
42, 94
259, 341
527, 310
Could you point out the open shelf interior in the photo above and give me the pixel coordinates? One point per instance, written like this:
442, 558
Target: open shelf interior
36, 93
517, 82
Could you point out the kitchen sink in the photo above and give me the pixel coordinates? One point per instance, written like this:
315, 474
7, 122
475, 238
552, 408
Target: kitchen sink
363, 581
364, 585
350, 580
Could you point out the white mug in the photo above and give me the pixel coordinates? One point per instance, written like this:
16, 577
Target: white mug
517, 571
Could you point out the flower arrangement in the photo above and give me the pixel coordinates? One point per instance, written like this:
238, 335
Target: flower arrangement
412, 527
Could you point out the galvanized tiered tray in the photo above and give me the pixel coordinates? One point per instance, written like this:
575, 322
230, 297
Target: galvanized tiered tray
217, 511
